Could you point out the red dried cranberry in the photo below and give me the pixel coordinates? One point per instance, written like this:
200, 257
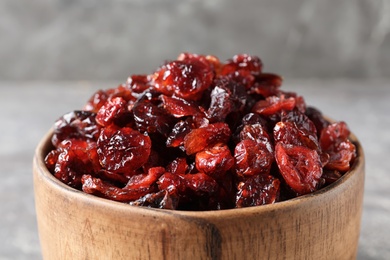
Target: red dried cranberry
165, 140
77, 157
185, 79
214, 161
138, 83
172, 182
273, 105
201, 183
257, 133
178, 166
252, 158
96, 101
296, 129
226, 97
112, 110
179, 131
266, 84
317, 118
75, 125
178, 107
299, 166
258, 190
150, 118
198, 139
123, 150
242, 62
334, 141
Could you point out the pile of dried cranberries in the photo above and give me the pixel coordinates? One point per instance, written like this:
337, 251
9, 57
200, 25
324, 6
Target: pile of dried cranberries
198, 134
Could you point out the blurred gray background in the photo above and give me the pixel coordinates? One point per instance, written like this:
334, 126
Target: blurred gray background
55, 53
108, 40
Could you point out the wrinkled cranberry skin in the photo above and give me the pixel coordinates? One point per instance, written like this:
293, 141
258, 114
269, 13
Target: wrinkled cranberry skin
259, 134
178, 133
252, 158
96, 101
258, 190
75, 125
178, 107
273, 105
112, 110
185, 79
300, 167
242, 62
226, 97
76, 158
334, 141
138, 83
150, 118
266, 84
214, 161
198, 139
123, 150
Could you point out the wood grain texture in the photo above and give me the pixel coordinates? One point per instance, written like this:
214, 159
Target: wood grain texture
74, 225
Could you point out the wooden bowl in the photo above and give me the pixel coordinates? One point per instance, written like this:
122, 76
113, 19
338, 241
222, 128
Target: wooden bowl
75, 225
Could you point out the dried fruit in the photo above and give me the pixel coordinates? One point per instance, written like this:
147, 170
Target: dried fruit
185, 79
334, 141
214, 161
258, 190
123, 150
252, 158
75, 125
198, 139
199, 134
300, 167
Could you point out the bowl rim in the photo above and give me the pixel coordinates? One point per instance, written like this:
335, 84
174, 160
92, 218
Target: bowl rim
45, 143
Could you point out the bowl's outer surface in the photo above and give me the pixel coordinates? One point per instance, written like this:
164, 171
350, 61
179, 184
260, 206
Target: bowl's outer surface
75, 225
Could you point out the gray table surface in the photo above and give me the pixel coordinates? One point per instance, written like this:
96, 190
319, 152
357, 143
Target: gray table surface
28, 109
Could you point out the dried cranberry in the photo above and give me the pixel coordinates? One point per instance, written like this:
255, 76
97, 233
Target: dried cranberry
258, 190
300, 167
198, 139
201, 183
226, 97
76, 158
185, 79
273, 105
179, 131
198, 134
138, 83
214, 161
242, 62
178, 107
178, 166
172, 182
123, 150
112, 110
257, 133
75, 125
334, 141
96, 101
266, 84
150, 118
252, 158
296, 129
317, 118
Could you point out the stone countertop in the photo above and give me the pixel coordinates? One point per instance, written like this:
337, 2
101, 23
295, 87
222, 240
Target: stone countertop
28, 110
